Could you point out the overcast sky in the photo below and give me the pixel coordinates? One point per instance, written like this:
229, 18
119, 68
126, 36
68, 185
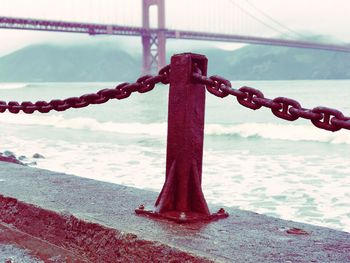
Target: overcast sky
327, 17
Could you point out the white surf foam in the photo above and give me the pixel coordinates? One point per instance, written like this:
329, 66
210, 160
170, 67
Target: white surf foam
7, 86
289, 132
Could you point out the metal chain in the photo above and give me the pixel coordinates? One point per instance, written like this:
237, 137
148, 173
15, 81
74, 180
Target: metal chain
143, 84
284, 108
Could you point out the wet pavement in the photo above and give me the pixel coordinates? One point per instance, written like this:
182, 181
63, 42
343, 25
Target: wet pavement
13, 254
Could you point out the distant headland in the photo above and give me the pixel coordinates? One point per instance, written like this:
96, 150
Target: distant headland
103, 61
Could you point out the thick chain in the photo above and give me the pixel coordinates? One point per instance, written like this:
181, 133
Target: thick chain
284, 108
122, 91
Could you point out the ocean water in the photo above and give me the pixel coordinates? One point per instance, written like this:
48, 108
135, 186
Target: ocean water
252, 160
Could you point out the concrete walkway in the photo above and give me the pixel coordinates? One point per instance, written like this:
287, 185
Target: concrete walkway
10, 253
103, 207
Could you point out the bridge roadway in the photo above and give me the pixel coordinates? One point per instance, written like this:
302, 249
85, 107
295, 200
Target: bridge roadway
108, 29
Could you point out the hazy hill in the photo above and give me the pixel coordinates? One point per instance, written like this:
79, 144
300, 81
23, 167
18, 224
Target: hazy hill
109, 62
103, 62
271, 63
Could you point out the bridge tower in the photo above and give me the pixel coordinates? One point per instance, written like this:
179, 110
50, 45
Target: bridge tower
153, 43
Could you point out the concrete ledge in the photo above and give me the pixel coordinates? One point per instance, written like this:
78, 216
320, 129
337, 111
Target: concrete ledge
73, 239
85, 213
28, 248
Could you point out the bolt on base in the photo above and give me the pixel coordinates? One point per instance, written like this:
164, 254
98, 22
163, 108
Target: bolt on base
182, 217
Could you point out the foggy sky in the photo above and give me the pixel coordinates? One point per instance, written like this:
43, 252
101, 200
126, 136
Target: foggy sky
328, 17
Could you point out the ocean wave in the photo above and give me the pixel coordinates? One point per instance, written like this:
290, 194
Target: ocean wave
289, 132
83, 123
6, 86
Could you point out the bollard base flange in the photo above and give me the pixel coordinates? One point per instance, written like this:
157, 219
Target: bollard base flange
182, 217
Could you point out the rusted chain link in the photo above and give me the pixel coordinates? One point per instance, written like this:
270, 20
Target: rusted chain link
143, 84
284, 108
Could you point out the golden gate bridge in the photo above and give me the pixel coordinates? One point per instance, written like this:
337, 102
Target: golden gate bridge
154, 38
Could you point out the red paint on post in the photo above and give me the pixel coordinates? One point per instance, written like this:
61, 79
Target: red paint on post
181, 198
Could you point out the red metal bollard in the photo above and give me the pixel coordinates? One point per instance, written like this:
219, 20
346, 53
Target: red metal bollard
181, 198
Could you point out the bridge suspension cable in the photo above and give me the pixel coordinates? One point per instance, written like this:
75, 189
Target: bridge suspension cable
260, 21
254, 17
274, 20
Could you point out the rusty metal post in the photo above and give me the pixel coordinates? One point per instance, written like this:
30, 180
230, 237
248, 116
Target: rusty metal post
181, 198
